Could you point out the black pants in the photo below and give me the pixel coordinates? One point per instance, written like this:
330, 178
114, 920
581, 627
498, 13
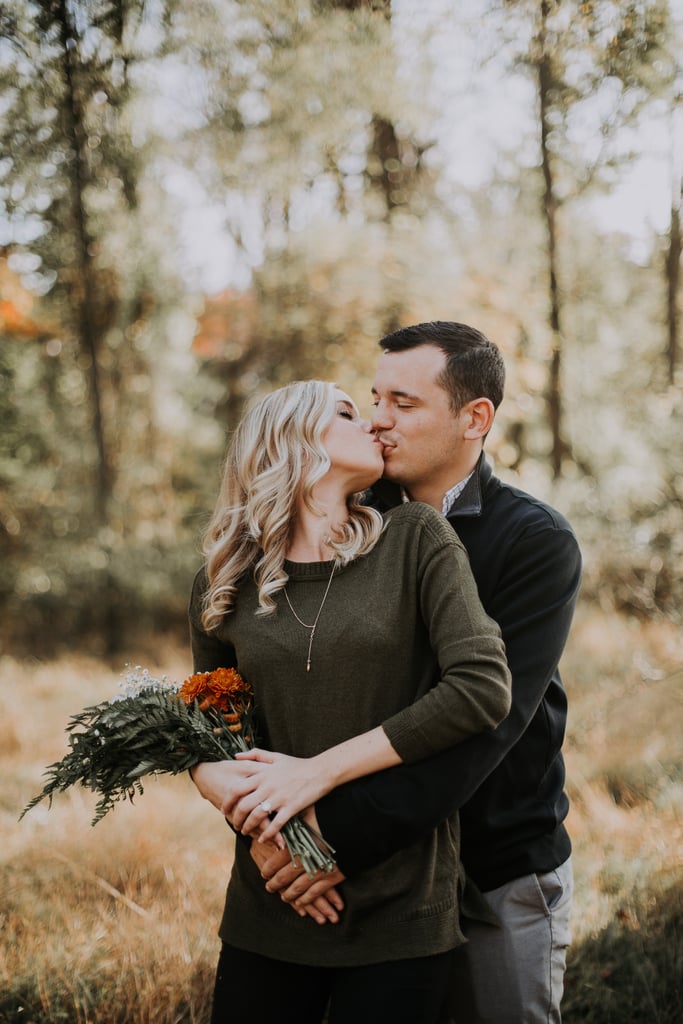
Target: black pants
259, 990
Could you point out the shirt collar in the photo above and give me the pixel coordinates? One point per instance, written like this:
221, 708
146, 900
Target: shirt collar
449, 498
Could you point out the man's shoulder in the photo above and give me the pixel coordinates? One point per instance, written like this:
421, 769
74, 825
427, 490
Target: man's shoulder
505, 500
532, 508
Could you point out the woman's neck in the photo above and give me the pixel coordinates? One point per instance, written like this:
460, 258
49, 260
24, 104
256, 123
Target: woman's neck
310, 533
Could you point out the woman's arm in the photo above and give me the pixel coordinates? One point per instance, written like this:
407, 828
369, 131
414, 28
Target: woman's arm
370, 819
471, 695
279, 786
472, 692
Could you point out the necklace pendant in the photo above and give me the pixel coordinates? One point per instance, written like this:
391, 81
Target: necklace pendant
310, 650
307, 625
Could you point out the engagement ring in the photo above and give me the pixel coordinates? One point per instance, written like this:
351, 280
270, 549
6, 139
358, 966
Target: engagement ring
266, 806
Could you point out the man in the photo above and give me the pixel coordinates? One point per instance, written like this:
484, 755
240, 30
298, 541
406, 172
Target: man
436, 391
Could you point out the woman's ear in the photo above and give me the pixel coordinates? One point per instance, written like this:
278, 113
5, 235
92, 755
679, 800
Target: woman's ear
478, 418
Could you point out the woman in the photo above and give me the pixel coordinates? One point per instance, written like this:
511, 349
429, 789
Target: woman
366, 645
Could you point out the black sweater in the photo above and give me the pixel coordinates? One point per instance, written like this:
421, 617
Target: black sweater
509, 784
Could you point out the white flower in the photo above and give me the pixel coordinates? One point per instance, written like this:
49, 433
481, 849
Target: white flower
137, 679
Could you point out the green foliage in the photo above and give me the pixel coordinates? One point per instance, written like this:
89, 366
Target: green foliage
61, 576
310, 131
115, 743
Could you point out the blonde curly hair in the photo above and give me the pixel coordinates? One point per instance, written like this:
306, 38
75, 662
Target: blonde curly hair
275, 456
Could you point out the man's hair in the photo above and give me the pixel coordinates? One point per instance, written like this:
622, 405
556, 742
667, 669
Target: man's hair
474, 366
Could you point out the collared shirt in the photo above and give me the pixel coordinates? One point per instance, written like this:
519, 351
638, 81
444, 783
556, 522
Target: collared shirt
449, 498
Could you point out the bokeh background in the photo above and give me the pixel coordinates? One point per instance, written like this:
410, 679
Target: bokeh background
200, 201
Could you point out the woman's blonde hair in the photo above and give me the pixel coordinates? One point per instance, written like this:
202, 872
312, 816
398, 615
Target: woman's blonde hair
275, 456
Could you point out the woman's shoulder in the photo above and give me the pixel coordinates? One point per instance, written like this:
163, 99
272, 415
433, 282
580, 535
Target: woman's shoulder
418, 516
199, 587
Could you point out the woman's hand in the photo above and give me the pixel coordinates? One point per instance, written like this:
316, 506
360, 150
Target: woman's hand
276, 787
223, 783
281, 786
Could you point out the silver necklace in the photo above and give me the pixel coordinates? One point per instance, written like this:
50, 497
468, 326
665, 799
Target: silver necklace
307, 625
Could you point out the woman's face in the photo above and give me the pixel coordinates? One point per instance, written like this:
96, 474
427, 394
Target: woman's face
354, 452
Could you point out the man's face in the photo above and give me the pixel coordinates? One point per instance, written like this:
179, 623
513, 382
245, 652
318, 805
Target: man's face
422, 437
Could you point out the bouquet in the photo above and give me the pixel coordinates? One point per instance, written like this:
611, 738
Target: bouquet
155, 727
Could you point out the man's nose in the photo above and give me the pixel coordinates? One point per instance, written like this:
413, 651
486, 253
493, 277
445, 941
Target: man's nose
381, 417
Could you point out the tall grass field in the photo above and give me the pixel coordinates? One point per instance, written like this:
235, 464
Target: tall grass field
117, 924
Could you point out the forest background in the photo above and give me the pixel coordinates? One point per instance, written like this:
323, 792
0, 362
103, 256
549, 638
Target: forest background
200, 201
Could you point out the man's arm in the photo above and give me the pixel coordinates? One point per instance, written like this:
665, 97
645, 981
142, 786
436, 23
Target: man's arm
371, 818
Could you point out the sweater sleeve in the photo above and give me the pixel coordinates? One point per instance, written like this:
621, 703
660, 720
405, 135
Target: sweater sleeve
371, 818
208, 653
473, 691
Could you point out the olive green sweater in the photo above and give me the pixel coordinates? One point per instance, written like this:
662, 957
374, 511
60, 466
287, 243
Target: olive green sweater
402, 641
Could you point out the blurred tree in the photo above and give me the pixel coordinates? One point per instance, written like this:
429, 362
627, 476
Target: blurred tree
588, 59
64, 82
394, 157
670, 91
306, 121
306, 134
83, 223
672, 269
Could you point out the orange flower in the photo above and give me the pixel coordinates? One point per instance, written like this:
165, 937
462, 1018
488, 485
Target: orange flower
223, 689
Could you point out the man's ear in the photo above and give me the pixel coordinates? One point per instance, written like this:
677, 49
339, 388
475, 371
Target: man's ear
478, 418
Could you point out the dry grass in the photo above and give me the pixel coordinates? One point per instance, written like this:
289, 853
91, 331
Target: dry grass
118, 923
110, 924
625, 780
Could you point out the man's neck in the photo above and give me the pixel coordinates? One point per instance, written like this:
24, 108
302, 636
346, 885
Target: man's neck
433, 494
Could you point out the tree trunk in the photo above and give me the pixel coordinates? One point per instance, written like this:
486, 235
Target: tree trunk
355, 5
84, 289
385, 171
554, 390
673, 278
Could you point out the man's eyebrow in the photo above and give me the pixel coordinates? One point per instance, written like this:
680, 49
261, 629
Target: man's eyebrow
399, 394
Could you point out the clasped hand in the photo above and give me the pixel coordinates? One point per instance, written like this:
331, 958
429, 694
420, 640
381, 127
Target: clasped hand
226, 784
316, 897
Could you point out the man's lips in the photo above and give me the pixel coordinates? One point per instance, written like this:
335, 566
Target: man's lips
386, 445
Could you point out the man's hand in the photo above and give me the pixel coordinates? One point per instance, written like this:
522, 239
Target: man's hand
315, 897
222, 783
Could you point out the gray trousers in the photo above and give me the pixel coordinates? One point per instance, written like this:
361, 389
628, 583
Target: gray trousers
514, 973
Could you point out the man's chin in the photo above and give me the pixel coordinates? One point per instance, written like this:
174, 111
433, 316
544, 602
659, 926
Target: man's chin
389, 473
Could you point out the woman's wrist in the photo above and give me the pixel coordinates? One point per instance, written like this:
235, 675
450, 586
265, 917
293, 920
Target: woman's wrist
326, 772
362, 755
